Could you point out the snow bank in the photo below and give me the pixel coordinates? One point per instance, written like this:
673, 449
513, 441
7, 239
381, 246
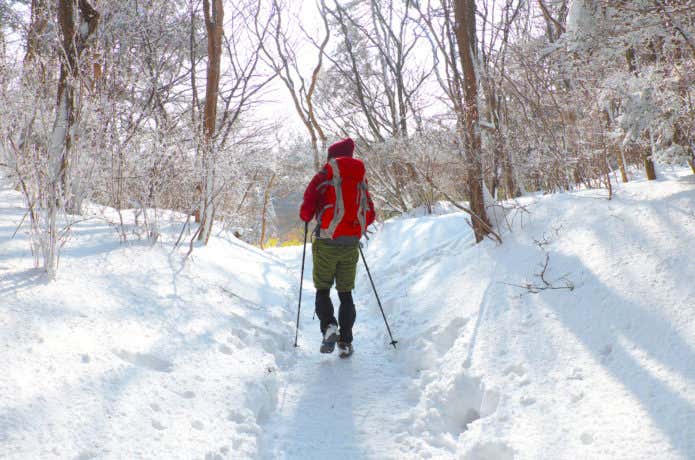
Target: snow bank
132, 354
595, 364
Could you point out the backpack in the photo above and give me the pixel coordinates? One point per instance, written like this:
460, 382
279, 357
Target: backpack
345, 200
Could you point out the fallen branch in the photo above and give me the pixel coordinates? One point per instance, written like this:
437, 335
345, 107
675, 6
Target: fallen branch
547, 285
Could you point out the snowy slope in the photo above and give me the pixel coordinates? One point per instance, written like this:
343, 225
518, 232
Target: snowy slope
129, 354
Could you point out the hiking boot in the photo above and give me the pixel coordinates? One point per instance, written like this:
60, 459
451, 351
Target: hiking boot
330, 337
344, 349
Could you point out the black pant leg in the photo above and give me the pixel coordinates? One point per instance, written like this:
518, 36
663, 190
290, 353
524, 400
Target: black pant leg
346, 315
324, 308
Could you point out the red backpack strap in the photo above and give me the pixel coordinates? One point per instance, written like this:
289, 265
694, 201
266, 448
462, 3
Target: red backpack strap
325, 182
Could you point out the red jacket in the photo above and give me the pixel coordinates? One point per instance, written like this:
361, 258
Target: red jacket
320, 197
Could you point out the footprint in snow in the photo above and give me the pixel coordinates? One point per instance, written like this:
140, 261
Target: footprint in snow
577, 374
516, 369
576, 397
527, 321
235, 417
226, 350
605, 352
587, 438
145, 360
198, 425
188, 394
490, 450
527, 401
157, 425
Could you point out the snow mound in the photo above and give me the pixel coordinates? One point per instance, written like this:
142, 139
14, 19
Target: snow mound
572, 339
131, 353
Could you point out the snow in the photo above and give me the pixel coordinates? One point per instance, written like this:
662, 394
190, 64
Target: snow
129, 354
132, 354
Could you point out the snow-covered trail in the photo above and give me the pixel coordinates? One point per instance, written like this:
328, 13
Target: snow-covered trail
132, 354
353, 407
363, 407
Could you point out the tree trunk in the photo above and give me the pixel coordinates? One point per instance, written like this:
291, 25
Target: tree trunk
266, 199
647, 157
61, 140
214, 20
621, 164
195, 104
464, 13
649, 167
315, 152
607, 175
510, 186
73, 41
37, 27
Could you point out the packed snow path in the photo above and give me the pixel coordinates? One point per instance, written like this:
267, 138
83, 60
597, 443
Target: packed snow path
349, 408
371, 405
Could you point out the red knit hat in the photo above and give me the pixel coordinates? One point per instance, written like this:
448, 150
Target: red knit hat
342, 148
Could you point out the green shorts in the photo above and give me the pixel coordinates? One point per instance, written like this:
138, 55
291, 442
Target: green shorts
334, 263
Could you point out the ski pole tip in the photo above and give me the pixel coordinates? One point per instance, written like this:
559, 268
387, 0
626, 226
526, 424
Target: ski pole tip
394, 342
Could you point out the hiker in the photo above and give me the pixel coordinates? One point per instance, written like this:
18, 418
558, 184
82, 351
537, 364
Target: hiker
339, 199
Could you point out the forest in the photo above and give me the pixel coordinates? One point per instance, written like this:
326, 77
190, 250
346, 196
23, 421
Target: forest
222, 110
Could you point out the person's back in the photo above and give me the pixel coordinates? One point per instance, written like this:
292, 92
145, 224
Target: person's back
338, 197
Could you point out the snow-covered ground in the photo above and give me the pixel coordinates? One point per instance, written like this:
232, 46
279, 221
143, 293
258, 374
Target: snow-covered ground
130, 354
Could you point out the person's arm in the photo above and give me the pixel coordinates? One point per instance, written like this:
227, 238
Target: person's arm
312, 196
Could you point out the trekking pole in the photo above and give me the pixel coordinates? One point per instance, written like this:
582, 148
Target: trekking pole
393, 342
301, 281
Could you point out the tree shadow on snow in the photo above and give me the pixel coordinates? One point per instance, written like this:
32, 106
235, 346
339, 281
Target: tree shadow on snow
24, 279
621, 330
